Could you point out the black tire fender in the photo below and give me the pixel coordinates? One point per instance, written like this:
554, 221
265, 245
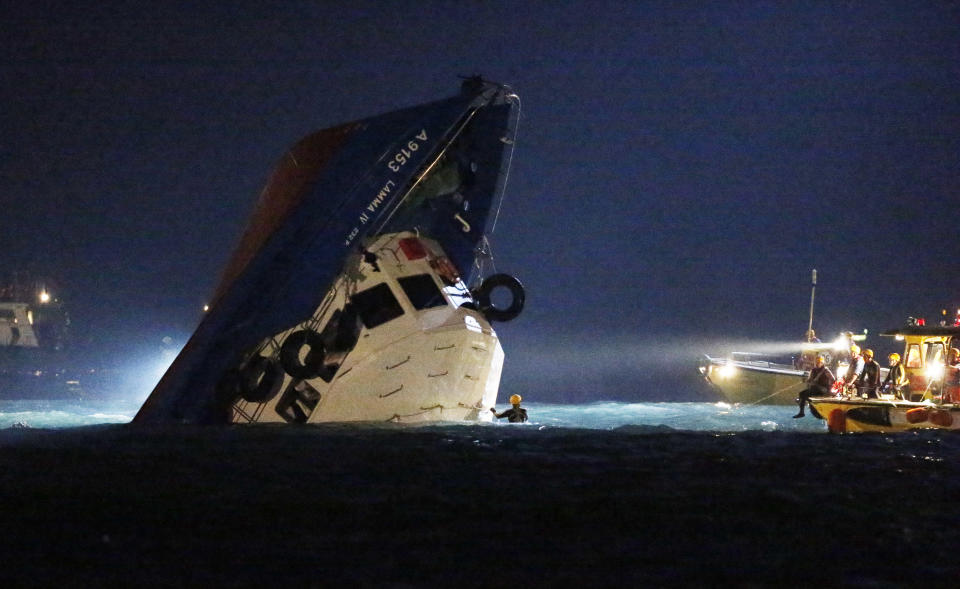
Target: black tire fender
312, 365
492, 313
260, 379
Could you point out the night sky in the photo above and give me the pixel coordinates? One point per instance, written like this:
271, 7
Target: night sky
679, 169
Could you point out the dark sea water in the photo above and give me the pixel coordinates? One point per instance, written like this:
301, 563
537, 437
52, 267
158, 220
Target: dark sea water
605, 495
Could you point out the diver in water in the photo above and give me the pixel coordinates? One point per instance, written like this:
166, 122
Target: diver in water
818, 384
515, 414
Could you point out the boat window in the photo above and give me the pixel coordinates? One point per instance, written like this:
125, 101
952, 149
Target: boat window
376, 305
422, 291
934, 353
913, 356
298, 402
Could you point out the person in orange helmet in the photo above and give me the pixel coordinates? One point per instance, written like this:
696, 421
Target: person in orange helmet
869, 378
515, 414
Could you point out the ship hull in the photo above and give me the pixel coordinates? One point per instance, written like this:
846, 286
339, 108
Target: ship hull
435, 169
754, 382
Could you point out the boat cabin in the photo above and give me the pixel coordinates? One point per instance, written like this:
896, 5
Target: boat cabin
924, 354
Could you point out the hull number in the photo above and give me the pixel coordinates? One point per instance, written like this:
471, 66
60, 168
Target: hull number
403, 156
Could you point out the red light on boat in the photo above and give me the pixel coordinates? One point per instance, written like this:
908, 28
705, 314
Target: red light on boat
413, 248
921, 321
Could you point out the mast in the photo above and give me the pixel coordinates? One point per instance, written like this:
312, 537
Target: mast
813, 290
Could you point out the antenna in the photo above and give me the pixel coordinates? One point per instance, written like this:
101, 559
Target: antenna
813, 290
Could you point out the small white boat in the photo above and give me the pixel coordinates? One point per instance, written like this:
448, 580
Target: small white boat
34, 331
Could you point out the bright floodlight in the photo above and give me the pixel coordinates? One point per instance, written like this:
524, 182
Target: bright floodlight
44, 297
934, 371
727, 370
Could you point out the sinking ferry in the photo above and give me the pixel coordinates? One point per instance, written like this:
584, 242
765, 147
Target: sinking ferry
930, 400
362, 289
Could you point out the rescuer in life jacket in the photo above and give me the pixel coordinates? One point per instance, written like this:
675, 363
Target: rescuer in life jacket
818, 384
868, 380
896, 381
515, 414
854, 367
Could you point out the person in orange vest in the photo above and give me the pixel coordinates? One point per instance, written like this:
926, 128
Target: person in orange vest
951, 377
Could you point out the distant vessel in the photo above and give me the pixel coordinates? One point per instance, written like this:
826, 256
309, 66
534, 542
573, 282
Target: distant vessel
928, 403
347, 298
34, 329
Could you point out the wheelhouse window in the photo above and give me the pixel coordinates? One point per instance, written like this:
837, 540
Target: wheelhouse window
913, 356
422, 291
934, 353
376, 305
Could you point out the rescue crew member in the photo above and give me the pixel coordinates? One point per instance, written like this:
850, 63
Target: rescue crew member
868, 380
896, 381
818, 384
855, 367
951, 377
515, 414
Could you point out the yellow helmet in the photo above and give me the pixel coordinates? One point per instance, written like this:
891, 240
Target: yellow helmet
515, 399
894, 357
868, 353
854, 349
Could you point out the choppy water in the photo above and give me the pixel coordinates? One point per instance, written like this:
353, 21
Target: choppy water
598, 495
720, 417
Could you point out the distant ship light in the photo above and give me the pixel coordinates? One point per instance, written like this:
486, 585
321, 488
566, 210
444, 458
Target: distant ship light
44, 296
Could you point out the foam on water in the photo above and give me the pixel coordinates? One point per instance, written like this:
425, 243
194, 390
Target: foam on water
601, 415
676, 416
63, 414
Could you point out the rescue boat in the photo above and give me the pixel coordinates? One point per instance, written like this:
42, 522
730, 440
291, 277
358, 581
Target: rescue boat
927, 401
749, 379
758, 378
